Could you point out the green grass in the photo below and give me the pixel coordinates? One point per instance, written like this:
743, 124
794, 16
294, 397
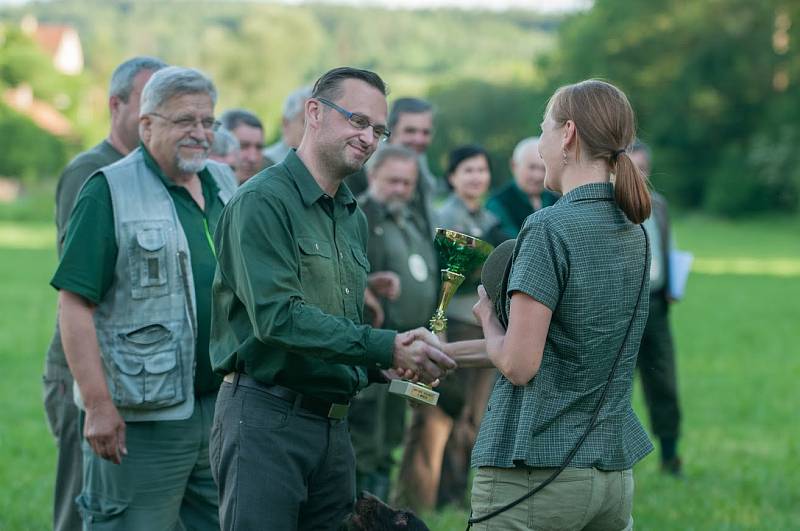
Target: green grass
739, 365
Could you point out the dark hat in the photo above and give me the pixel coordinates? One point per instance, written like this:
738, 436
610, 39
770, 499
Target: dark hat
494, 277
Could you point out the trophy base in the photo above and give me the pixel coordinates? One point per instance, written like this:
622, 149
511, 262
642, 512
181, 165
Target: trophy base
414, 391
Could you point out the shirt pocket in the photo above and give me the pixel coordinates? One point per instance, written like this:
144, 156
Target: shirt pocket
318, 273
147, 371
147, 260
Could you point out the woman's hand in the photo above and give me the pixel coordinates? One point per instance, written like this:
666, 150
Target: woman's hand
483, 310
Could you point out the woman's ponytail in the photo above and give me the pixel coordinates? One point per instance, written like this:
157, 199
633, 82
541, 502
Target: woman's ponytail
631, 191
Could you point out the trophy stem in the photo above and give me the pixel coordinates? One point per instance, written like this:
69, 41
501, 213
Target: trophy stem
450, 283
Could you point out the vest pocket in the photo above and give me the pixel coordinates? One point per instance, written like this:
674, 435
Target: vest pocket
148, 262
147, 374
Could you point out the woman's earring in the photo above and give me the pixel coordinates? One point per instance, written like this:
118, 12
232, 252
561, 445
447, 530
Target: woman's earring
564, 158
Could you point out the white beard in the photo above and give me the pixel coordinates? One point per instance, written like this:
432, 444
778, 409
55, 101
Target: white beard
192, 165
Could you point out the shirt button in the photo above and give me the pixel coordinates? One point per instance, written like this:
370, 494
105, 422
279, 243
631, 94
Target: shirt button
347, 291
340, 255
378, 365
316, 246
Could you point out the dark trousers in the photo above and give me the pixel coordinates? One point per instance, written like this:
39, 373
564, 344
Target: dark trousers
278, 466
438, 444
62, 416
657, 367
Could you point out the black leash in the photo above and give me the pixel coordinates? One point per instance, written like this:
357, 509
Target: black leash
477, 520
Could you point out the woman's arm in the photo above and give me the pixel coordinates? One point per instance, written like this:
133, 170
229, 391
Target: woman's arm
469, 354
516, 352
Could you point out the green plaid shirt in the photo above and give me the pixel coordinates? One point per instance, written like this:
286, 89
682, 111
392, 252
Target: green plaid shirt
584, 260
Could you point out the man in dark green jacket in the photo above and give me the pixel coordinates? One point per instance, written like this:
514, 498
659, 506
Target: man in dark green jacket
287, 329
525, 194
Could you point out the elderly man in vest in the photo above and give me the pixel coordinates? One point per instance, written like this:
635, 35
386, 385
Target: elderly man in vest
134, 287
124, 96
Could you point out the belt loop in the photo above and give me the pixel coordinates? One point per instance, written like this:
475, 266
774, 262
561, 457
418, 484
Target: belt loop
235, 382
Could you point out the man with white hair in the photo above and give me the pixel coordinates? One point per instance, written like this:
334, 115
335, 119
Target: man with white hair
225, 148
525, 194
124, 93
134, 287
292, 124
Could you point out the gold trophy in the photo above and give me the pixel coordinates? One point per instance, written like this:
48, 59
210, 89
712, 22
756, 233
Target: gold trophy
461, 255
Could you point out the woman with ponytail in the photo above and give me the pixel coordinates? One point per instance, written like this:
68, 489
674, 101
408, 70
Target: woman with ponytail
576, 298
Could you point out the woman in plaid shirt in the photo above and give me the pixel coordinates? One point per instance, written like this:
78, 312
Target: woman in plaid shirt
575, 320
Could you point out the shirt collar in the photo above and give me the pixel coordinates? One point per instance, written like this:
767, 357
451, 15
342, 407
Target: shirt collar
310, 191
152, 165
591, 191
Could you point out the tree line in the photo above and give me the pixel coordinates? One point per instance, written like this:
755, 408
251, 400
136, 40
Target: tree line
713, 82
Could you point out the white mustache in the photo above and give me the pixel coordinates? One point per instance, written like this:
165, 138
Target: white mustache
189, 142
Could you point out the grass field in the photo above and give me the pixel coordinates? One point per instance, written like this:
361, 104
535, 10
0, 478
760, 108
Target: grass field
739, 365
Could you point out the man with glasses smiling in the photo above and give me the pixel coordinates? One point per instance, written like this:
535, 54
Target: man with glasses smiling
288, 330
134, 287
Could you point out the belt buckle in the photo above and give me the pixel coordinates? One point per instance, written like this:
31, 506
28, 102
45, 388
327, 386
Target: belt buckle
337, 411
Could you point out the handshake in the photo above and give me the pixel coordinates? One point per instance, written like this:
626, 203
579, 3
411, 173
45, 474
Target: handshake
419, 356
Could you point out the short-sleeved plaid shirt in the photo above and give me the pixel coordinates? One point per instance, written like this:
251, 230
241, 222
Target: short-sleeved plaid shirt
584, 260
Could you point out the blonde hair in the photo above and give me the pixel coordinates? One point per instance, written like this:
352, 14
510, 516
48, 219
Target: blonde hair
605, 127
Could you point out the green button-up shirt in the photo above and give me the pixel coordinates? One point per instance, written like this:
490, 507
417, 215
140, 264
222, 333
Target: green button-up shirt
584, 260
90, 252
289, 289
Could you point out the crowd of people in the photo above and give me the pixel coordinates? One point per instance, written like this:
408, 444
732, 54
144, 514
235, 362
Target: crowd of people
230, 313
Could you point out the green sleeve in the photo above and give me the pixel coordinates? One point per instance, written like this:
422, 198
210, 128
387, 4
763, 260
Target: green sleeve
258, 259
90, 249
540, 266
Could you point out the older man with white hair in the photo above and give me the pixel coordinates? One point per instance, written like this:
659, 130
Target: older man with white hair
292, 125
134, 287
525, 194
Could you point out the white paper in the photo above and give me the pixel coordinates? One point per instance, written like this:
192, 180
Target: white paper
680, 263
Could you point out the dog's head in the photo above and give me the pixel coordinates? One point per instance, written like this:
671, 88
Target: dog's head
371, 514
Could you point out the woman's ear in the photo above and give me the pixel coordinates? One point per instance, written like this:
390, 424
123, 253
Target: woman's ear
569, 135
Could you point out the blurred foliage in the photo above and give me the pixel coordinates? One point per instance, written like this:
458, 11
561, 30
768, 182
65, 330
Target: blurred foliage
28, 152
713, 82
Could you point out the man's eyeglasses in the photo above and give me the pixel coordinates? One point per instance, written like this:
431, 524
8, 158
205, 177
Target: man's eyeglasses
187, 123
359, 121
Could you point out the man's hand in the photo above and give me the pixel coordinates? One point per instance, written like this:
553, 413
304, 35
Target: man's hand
413, 352
104, 429
384, 284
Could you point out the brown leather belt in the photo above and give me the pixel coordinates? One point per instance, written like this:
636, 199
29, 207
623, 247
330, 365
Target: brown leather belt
319, 407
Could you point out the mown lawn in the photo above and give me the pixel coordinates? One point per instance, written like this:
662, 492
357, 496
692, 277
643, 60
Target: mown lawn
739, 363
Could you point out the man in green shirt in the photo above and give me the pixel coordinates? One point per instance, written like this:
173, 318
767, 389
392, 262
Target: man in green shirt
134, 287
287, 329
125, 91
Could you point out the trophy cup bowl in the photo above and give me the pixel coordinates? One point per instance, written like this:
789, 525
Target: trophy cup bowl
461, 254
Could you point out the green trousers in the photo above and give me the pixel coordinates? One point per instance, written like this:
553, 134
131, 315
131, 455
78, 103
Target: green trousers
164, 482
579, 499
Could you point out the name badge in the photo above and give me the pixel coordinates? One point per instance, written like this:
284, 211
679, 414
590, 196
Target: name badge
418, 268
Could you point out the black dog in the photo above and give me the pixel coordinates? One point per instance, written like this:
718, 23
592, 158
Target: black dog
371, 514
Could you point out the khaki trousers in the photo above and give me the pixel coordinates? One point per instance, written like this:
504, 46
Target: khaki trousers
579, 499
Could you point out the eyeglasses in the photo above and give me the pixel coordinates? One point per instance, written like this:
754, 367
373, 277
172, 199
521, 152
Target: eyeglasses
187, 123
359, 121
